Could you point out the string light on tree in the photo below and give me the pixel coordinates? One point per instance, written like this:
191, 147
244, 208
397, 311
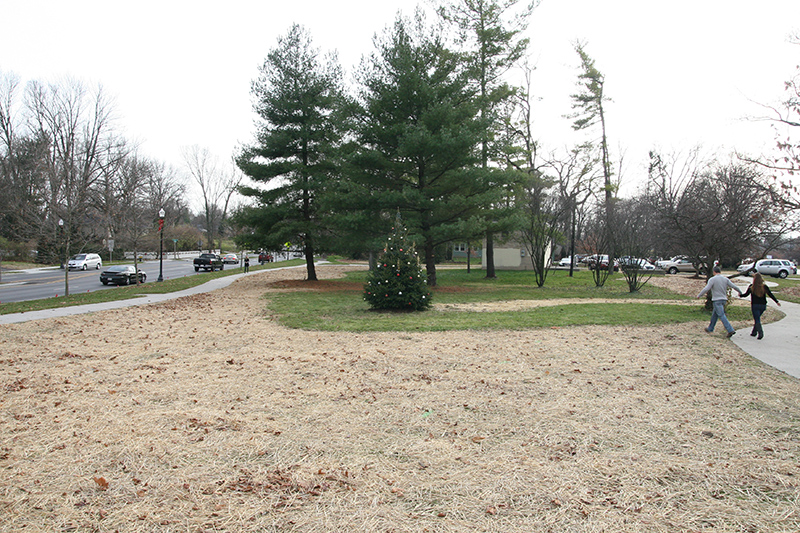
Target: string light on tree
398, 282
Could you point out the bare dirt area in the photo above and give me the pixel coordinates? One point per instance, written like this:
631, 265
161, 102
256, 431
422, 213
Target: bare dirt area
203, 414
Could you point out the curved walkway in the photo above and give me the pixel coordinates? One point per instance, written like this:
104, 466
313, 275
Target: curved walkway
779, 348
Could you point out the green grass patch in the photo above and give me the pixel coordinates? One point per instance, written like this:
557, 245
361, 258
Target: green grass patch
9, 266
788, 289
345, 309
132, 291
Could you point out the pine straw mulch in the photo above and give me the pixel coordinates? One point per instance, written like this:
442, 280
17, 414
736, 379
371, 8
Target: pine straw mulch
203, 414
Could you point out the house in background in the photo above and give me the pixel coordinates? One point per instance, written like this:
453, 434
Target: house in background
512, 255
460, 251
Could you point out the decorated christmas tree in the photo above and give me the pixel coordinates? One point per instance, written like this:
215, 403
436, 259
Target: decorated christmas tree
398, 282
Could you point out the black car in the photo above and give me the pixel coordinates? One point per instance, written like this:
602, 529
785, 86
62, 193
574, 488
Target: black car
121, 275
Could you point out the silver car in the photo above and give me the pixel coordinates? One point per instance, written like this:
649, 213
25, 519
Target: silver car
680, 265
85, 261
778, 268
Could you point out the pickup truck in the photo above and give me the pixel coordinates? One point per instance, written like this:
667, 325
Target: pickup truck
210, 262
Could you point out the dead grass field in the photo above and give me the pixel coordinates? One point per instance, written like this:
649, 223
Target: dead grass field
202, 414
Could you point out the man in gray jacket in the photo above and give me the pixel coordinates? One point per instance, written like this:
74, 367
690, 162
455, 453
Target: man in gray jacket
718, 285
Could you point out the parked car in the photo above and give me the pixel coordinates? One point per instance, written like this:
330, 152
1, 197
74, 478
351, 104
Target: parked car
230, 258
593, 259
264, 257
566, 261
679, 265
121, 275
778, 268
600, 262
85, 262
662, 262
642, 264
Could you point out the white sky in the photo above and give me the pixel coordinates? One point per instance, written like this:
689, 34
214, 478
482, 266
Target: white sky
681, 73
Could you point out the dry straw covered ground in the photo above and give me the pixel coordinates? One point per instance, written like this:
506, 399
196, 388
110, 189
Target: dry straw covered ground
204, 414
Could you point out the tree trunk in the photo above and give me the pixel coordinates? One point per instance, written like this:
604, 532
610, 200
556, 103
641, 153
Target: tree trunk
490, 273
310, 267
430, 264
572, 241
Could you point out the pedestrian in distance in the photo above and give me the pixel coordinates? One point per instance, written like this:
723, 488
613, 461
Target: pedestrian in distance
758, 292
246, 264
718, 285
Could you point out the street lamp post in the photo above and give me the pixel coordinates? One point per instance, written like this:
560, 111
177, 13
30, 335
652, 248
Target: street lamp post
66, 255
161, 214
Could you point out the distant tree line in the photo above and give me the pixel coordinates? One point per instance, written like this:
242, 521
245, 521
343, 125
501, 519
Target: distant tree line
72, 183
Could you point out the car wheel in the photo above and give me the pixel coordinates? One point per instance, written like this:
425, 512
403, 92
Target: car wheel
672, 270
104, 282
97, 266
143, 279
222, 267
783, 274
83, 267
197, 269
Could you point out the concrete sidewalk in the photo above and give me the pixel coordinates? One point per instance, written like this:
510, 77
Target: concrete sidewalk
779, 348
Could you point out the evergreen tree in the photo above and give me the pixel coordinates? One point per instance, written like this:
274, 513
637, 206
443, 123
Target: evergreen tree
589, 112
297, 97
418, 137
398, 281
491, 32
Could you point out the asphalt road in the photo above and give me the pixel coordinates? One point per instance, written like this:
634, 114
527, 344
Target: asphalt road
49, 282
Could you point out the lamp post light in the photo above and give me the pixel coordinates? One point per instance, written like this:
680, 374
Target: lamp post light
66, 256
161, 214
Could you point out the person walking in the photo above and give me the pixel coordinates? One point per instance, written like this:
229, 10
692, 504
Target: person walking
758, 292
246, 263
718, 285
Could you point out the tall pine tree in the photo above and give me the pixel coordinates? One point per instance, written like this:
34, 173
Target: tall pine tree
297, 97
418, 137
491, 33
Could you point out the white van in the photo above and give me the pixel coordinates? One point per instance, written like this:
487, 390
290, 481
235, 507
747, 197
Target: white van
85, 262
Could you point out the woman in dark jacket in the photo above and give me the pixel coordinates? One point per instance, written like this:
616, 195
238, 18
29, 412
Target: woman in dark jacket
758, 302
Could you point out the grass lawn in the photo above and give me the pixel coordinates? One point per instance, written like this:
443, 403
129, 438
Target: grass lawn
339, 306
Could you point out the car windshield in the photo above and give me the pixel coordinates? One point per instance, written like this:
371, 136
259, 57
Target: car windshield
117, 269
79, 257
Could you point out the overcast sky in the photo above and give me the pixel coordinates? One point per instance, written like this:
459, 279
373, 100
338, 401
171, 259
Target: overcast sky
680, 73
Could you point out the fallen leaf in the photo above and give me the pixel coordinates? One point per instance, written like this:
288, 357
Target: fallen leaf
101, 482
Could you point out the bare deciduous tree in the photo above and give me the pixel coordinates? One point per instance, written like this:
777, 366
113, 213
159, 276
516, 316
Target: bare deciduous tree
78, 125
576, 176
217, 188
716, 212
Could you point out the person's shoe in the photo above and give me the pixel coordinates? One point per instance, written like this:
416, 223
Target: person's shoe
760, 336
708, 330
753, 333
731, 334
